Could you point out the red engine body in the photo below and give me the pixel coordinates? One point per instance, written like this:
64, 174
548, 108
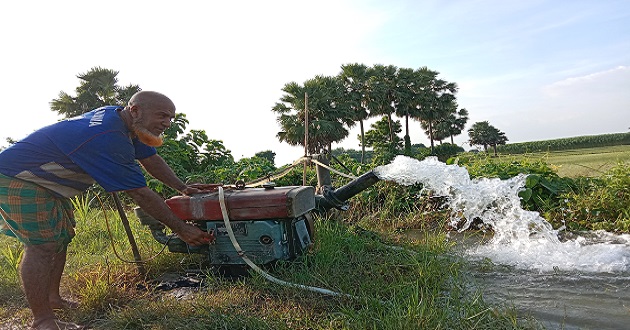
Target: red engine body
246, 204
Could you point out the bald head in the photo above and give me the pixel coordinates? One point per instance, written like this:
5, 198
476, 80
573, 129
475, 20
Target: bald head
148, 115
151, 100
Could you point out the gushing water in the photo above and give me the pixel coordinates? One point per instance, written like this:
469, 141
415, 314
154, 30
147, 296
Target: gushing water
522, 239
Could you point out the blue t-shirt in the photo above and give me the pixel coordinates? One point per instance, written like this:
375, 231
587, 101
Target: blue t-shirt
69, 156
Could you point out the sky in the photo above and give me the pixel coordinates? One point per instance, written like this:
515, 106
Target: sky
535, 69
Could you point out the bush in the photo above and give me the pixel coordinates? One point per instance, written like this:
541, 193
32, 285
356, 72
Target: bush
446, 150
600, 203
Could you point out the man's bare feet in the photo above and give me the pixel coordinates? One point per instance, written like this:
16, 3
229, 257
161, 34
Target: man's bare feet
63, 304
54, 324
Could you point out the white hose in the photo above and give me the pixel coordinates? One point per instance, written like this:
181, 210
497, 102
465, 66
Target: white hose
266, 275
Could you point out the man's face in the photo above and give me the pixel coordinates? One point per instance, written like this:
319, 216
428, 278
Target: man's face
150, 123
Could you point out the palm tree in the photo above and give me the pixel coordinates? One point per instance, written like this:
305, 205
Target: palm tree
404, 99
482, 133
435, 103
328, 113
449, 126
381, 93
98, 87
355, 79
456, 126
411, 86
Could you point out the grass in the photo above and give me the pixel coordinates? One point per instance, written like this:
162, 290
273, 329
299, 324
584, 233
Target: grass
419, 286
587, 162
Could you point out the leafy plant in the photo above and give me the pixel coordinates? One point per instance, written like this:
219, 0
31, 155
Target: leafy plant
11, 258
81, 205
601, 203
445, 151
380, 136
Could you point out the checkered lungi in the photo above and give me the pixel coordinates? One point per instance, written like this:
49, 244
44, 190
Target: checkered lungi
33, 214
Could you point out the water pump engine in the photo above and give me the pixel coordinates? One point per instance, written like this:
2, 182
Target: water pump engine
269, 223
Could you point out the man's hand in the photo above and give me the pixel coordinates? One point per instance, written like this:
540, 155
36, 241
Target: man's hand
199, 188
191, 191
155, 206
195, 236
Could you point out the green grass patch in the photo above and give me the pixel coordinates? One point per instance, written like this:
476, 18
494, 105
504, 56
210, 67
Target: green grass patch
585, 162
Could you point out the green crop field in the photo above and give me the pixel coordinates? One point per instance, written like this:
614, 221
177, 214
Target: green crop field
582, 162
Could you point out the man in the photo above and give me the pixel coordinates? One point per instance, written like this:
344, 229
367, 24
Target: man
40, 173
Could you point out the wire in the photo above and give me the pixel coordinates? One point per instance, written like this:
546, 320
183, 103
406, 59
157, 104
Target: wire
111, 236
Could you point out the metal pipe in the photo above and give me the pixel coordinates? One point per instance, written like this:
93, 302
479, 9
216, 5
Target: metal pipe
337, 197
356, 186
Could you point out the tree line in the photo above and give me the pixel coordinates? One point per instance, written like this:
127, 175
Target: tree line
358, 92
334, 105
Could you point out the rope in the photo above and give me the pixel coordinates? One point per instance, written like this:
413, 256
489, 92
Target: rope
278, 175
333, 170
261, 181
266, 275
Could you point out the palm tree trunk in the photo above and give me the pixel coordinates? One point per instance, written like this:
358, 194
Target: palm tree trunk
406, 124
391, 131
362, 144
431, 134
407, 138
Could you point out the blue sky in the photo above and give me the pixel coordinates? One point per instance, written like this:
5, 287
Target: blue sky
534, 69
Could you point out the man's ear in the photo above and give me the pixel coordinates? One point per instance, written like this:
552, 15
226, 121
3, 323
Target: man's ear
134, 111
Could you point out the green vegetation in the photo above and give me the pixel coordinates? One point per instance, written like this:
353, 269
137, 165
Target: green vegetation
585, 162
597, 199
98, 87
419, 286
357, 93
587, 141
484, 134
600, 203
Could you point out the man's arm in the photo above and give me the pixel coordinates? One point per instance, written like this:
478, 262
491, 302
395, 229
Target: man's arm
159, 169
155, 206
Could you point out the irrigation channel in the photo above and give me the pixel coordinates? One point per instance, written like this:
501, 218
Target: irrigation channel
564, 280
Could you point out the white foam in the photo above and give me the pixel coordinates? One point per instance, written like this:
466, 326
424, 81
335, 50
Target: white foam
522, 238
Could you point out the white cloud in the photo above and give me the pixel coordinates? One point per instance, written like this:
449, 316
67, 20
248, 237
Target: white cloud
612, 79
